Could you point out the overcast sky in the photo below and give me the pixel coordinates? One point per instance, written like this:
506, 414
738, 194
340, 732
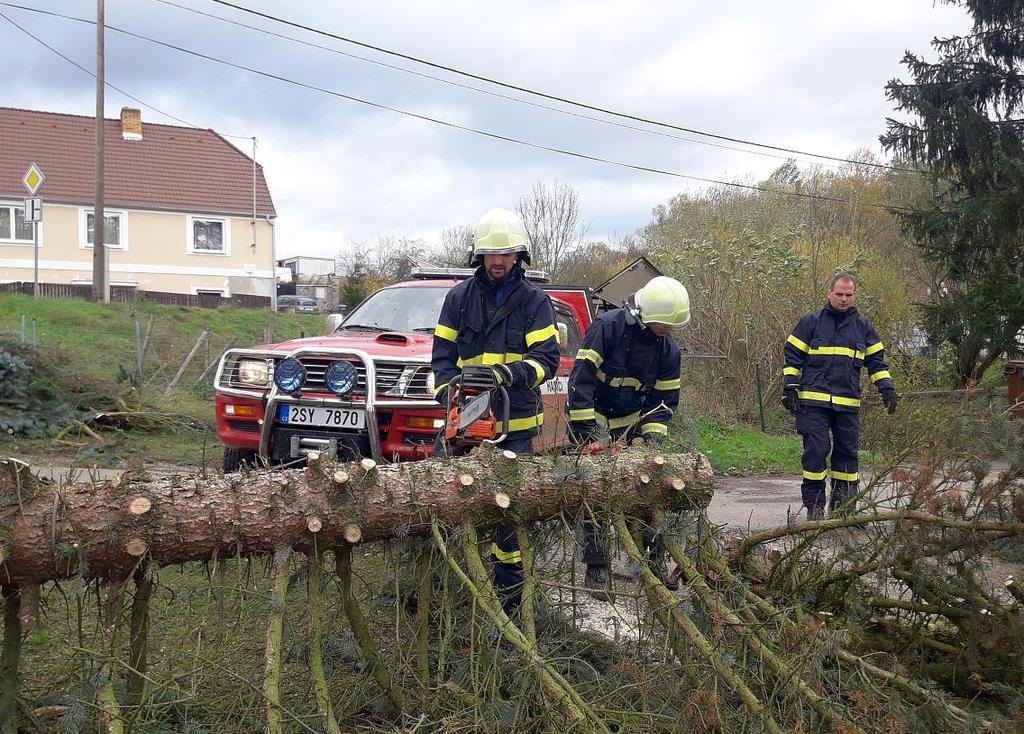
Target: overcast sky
802, 74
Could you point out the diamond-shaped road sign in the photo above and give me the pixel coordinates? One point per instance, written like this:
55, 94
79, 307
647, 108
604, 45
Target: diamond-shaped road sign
33, 179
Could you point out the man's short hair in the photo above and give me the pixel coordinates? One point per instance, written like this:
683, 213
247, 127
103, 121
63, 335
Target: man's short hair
841, 275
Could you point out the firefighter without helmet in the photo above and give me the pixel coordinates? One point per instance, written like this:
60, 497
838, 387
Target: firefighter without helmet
500, 232
663, 301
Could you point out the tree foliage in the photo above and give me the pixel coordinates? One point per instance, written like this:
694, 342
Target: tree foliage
964, 131
551, 214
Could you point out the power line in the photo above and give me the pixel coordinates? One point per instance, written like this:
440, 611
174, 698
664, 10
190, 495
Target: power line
555, 98
475, 131
91, 73
481, 90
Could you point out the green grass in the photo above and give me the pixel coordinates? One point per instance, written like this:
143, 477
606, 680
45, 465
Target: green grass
95, 345
737, 448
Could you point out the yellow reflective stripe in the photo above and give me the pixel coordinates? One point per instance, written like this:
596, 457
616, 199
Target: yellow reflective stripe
446, 332
591, 355
791, 371
876, 347
490, 358
522, 424
668, 384
824, 397
802, 346
815, 474
582, 414
535, 337
846, 476
654, 428
619, 381
837, 351
852, 402
538, 368
880, 375
512, 556
439, 388
623, 422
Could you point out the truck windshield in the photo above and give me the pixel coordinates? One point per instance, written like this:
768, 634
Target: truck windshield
398, 309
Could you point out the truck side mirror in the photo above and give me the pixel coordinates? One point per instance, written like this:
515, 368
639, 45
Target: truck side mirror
333, 322
563, 334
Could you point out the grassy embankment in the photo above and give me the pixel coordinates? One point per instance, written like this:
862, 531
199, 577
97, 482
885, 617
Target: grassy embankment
96, 347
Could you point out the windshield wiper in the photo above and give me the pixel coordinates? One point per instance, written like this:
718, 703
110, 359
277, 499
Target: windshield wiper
425, 329
368, 327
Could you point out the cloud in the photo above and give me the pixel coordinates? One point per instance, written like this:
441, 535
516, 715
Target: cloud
793, 73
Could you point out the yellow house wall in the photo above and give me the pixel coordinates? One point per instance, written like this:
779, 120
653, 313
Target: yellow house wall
155, 254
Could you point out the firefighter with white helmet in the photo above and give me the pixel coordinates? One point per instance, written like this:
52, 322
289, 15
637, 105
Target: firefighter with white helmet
500, 319
625, 384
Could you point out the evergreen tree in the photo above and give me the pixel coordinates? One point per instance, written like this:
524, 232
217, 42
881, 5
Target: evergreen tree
968, 133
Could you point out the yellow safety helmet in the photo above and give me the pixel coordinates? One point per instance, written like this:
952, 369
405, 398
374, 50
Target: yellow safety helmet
663, 301
500, 232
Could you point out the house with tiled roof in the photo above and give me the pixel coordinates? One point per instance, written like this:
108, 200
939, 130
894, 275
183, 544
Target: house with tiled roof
185, 211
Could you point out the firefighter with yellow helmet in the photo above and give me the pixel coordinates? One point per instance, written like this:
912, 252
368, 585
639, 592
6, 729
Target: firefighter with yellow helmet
625, 385
500, 319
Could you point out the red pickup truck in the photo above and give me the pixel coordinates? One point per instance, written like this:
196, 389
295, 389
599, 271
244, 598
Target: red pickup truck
390, 413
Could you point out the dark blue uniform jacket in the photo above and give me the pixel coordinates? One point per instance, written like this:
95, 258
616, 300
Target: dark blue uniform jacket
824, 356
625, 377
525, 339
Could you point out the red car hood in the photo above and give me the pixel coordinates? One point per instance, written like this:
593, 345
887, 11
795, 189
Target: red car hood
390, 344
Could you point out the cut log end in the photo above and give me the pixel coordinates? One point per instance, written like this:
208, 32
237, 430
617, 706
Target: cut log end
340, 476
678, 484
466, 480
510, 455
313, 456
368, 464
644, 479
139, 506
135, 547
502, 500
314, 524
658, 460
352, 533
116, 481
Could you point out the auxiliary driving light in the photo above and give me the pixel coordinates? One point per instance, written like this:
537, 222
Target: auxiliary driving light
289, 375
340, 377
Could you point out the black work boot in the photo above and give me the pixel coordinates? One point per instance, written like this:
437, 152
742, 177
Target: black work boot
816, 512
599, 581
840, 502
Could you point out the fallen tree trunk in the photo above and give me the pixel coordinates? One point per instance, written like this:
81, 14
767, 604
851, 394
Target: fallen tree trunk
102, 529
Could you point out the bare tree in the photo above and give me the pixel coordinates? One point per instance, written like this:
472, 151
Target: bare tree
551, 214
455, 247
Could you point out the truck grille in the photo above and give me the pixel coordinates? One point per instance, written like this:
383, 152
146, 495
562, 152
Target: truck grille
394, 379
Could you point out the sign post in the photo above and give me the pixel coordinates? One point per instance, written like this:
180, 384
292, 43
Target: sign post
33, 181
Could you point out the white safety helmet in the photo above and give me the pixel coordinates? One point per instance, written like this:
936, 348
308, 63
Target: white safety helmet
663, 301
500, 232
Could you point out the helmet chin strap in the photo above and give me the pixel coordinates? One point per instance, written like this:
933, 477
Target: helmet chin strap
634, 313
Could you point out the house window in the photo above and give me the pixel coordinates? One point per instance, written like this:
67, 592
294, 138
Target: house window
113, 229
208, 235
13, 227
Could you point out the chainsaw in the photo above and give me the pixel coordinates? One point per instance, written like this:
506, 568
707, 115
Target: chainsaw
473, 399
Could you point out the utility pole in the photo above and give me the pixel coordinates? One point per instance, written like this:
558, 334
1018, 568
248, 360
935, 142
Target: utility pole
100, 286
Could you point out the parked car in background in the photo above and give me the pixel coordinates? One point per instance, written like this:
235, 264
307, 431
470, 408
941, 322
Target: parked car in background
297, 304
367, 389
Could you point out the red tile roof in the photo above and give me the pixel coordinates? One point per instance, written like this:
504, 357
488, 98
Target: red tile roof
175, 168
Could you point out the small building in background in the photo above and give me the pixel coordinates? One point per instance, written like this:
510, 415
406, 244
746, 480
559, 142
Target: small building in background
312, 277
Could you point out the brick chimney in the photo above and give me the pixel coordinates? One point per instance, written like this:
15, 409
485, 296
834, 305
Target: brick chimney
131, 124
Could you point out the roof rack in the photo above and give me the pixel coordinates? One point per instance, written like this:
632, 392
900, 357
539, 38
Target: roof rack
537, 276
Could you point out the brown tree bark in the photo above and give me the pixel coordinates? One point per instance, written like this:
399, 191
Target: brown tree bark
102, 529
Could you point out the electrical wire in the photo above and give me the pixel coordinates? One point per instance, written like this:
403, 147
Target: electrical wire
475, 131
91, 73
555, 98
498, 95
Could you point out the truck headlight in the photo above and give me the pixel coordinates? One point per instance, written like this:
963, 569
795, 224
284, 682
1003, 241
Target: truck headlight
255, 372
430, 382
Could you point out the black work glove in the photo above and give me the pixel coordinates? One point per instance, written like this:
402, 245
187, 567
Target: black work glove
502, 374
442, 395
791, 398
890, 399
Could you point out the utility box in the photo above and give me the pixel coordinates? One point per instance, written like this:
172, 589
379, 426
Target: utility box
1014, 371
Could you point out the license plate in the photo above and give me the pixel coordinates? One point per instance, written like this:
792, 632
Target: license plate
307, 415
